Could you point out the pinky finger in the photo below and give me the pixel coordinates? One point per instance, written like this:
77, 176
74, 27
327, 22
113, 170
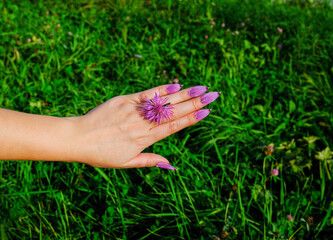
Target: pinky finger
172, 127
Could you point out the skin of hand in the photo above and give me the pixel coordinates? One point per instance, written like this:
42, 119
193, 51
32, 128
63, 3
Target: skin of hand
112, 135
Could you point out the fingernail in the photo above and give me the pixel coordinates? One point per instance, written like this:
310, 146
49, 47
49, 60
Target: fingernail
201, 114
209, 97
165, 165
197, 91
172, 88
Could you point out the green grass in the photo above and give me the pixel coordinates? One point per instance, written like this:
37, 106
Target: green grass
223, 186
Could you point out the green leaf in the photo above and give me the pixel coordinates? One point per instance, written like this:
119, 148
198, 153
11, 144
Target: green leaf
324, 155
292, 106
281, 127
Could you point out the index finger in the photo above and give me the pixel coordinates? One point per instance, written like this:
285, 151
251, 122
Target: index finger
163, 90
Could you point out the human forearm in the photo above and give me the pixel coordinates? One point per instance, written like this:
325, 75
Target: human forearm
34, 137
112, 135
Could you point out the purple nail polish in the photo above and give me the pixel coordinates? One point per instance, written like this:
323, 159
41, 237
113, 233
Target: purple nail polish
201, 114
197, 91
172, 88
209, 97
165, 165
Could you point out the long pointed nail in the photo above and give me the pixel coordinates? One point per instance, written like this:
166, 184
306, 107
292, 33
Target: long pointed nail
201, 114
209, 97
197, 91
165, 165
172, 88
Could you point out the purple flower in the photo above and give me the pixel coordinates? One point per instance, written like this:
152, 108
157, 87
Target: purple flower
274, 172
156, 110
137, 56
290, 218
279, 46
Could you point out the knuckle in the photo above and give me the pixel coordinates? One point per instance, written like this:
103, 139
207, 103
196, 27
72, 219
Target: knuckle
142, 96
172, 127
184, 94
190, 118
195, 104
161, 90
118, 102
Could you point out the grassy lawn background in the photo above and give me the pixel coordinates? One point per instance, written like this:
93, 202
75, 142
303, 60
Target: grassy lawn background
272, 61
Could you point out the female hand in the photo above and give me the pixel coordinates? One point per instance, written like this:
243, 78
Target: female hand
114, 134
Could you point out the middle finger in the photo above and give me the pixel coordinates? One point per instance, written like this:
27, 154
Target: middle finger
184, 108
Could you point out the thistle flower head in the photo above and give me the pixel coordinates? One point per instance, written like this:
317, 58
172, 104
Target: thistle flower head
156, 109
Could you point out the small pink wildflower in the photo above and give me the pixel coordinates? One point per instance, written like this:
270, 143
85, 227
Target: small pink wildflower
269, 149
29, 40
280, 30
206, 36
274, 172
290, 218
128, 18
175, 80
223, 25
236, 32
48, 27
47, 13
58, 25
39, 40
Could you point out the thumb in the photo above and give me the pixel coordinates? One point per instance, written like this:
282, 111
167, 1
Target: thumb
149, 160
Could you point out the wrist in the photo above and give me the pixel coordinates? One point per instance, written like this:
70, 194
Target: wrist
78, 145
